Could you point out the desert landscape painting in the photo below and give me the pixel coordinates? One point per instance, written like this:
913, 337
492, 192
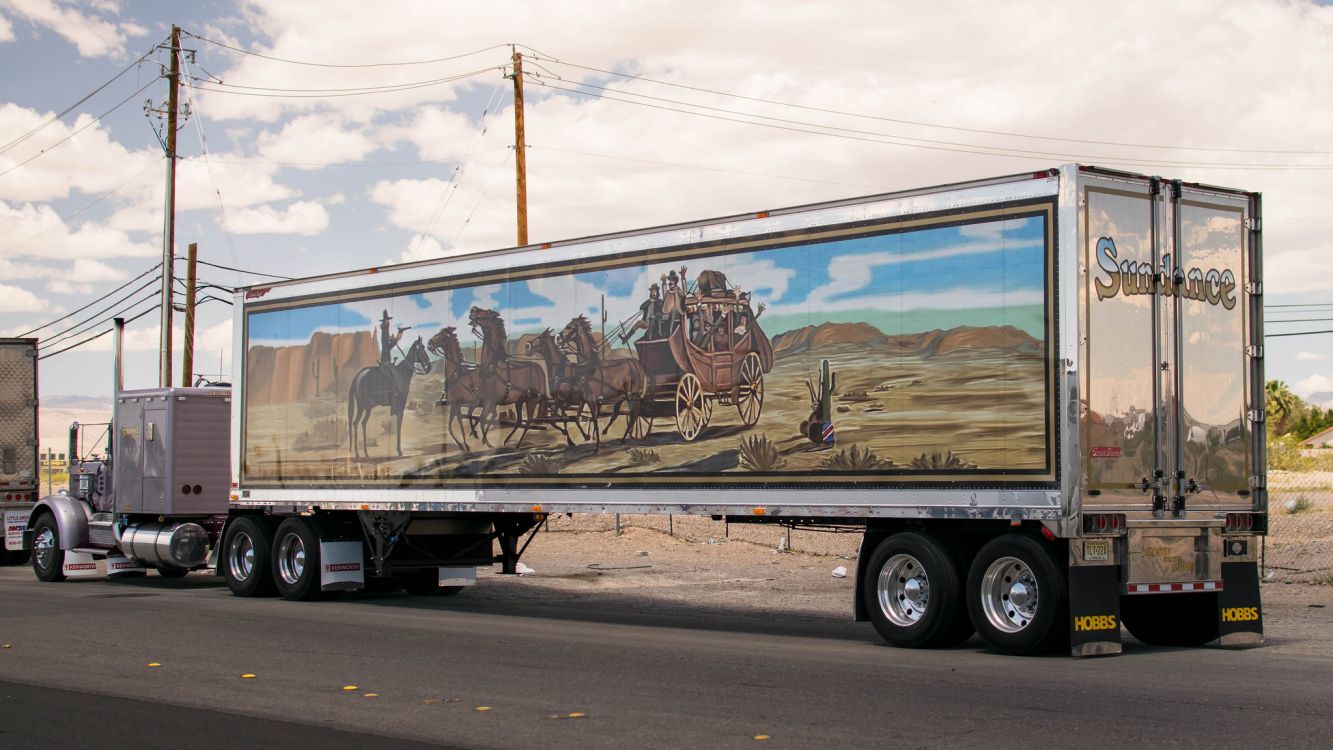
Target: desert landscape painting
906, 353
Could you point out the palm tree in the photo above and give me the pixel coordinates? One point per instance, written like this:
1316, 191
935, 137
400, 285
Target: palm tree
1280, 404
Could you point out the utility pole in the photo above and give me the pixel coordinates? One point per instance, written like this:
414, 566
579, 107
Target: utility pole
187, 356
169, 227
520, 151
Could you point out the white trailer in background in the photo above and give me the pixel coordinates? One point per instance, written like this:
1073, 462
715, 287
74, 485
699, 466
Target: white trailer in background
19, 474
1040, 396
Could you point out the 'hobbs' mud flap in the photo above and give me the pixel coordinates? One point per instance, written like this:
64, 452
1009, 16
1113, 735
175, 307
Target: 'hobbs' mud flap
1094, 598
1239, 610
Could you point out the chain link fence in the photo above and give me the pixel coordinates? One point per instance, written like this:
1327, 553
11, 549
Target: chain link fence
1298, 548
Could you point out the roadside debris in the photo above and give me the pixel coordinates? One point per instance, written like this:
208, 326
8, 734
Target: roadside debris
840, 572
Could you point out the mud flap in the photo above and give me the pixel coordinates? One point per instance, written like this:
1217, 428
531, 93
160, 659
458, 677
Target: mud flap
120, 565
1094, 610
1239, 611
81, 565
16, 521
458, 575
342, 568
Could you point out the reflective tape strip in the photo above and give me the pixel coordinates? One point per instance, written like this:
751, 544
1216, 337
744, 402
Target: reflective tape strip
1168, 588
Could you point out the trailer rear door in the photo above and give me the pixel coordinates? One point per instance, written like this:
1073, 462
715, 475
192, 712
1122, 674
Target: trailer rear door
1168, 384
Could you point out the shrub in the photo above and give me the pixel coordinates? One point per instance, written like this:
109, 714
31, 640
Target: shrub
539, 463
1284, 454
855, 459
759, 454
643, 456
323, 433
320, 408
936, 461
387, 426
1300, 504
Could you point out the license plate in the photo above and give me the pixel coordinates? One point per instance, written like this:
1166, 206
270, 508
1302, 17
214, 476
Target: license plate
1094, 551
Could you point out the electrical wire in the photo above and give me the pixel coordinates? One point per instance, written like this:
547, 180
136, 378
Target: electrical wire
291, 93
102, 317
94, 302
74, 213
217, 191
919, 123
75, 105
87, 125
1298, 333
451, 188
415, 162
96, 336
779, 123
240, 270
340, 65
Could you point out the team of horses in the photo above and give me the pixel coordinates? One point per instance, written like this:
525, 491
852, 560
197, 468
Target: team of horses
568, 384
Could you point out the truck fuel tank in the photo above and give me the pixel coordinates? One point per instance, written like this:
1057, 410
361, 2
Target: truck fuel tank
181, 545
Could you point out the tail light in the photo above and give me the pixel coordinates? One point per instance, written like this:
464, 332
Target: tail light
1104, 523
1238, 523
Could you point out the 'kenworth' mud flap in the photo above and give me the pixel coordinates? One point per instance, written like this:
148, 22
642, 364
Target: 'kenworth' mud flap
1239, 610
1094, 598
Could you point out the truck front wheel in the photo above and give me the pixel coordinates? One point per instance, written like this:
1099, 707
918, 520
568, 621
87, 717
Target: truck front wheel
912, 592
246, 565
1189, 619
296, 563
1016, 596
48, 560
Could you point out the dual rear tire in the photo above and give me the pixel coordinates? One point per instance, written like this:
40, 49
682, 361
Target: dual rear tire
263, 557
1013, 594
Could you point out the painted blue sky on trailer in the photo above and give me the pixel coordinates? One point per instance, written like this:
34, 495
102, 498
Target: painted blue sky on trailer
983, 266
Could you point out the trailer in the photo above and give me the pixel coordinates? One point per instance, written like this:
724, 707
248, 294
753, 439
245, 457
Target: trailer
20, 479
1040, 399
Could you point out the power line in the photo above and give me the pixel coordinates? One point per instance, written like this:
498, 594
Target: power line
415, 162
920, 123
1302, 304
1299, 333
75, 105
1298, 320
72, 214
96, 336
341, 65
336, 93
203, 149
94, 302
240, 270
103, 316
451, 188
799, 126
87, 125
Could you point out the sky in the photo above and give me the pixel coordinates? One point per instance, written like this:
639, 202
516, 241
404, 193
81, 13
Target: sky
293, 168
989, 273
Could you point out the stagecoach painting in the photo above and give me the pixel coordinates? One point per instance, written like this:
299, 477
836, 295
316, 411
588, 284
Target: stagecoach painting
714, 353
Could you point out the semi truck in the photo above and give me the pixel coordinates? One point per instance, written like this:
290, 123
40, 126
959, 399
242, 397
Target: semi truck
1038, 397
19, 475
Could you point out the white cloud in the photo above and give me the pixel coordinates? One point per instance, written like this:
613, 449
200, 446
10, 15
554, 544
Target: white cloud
17, 299
37, 231
1313, 384
1310, 356
61, 286
302, 218
93, 36
6, 30
315, 141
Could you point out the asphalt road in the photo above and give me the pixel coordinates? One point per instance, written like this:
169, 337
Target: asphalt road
609, 671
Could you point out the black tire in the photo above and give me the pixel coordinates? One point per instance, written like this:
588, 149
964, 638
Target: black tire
1018, 564
295, 560
12, 556
255, 534
423, 582
171, 571
902, 569
1172, 619
48, 563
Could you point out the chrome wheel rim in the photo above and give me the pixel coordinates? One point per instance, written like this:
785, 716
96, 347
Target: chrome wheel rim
291, 559
241, 556
1009, 595
44, 548
904, 590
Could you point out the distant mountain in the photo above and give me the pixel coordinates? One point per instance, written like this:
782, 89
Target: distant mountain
280, 375
864, 335
1322, 399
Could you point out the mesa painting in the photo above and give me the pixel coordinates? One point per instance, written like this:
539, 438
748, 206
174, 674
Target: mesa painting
897, 353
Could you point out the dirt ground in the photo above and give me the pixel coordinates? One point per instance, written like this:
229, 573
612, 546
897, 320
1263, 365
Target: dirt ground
707, 565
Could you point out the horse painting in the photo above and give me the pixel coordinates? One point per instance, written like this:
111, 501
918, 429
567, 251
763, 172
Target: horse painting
615, 381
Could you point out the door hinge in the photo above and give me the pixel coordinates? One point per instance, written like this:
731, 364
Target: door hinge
1256, 416
1254, 224
1254, 352
1254, 288
1258, 482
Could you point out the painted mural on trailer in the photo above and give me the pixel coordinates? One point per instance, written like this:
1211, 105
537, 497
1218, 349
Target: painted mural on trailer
897, 353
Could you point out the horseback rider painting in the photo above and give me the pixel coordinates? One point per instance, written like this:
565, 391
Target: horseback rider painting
389, 341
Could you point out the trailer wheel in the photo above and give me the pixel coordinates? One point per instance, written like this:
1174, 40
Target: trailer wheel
1016, 596
1172, 619
296, 560
245, 562
913, 594
48, 560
